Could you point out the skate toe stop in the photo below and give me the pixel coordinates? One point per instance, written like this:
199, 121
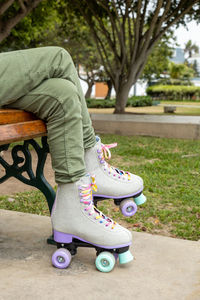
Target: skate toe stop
140, 199
125, 257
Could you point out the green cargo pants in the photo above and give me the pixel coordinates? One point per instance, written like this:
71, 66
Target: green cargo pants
44, 81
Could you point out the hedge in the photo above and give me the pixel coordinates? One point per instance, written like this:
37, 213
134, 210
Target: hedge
133, 101
174, 92
136, 101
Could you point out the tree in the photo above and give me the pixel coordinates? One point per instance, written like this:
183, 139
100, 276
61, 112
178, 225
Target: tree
12, 12
33, 28
194, 66
180, 71
158, 61
191, 48
82, 48
131, 29
78, 41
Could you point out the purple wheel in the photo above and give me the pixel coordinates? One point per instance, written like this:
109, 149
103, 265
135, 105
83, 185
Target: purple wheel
128, 207
61, 258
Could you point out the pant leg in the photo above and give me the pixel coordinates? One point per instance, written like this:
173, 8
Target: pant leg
56, 101
14, 77
26, 69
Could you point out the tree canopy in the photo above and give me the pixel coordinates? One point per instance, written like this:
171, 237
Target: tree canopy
158, 61
12, 12
191, 48
32, 28
125, 32
131, 29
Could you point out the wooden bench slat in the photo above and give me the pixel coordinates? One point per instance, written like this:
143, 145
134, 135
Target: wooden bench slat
21, 131
10, 116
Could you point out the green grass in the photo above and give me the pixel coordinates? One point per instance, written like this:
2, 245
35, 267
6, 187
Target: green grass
158, 109
171, 171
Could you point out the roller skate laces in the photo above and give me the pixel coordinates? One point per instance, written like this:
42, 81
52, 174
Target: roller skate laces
87, 199
105, 153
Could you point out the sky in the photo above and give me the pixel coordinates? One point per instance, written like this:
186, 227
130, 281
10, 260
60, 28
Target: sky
193, 33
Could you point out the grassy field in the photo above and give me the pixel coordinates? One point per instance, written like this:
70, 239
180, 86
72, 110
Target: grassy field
158, 109
171, 172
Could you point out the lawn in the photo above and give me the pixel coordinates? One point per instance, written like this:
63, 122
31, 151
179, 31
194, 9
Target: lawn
158, 109
171, 172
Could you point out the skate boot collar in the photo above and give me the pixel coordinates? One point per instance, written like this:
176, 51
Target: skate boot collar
104, 154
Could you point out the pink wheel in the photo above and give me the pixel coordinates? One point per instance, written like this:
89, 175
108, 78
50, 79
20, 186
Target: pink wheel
61, 258
128, 207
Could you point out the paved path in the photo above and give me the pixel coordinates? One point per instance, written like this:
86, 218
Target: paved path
163, 269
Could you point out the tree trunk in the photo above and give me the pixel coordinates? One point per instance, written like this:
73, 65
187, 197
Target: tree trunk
109, 84
89, 90
121, 99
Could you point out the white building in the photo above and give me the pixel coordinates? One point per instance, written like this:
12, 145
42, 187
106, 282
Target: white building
178, 56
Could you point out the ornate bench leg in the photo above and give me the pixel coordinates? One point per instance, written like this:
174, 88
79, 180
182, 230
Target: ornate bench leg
37, 180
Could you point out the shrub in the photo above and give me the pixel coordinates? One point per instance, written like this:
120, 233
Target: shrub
171, 81
133, 101
100, 103
174, 92
136, 101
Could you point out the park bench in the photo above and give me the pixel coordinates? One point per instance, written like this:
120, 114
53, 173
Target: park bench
22, 128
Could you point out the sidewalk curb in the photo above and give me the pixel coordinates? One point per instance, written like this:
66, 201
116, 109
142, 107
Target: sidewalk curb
183, 127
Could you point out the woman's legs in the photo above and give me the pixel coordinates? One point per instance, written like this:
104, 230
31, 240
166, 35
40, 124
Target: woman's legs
56, 101
55, 96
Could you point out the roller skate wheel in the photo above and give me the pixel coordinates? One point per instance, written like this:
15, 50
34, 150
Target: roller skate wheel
140, 199
128, 207
61, 258
125, 257
105, 262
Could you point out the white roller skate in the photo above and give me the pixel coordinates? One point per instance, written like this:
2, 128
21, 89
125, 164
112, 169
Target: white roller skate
77, 223
125, 188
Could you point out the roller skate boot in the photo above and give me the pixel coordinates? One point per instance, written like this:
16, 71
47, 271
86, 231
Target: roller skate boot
123, 187
78, 223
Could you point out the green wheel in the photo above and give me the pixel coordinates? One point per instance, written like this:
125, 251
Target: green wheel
105, 262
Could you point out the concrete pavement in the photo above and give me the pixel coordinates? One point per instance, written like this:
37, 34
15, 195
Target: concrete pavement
164, 268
